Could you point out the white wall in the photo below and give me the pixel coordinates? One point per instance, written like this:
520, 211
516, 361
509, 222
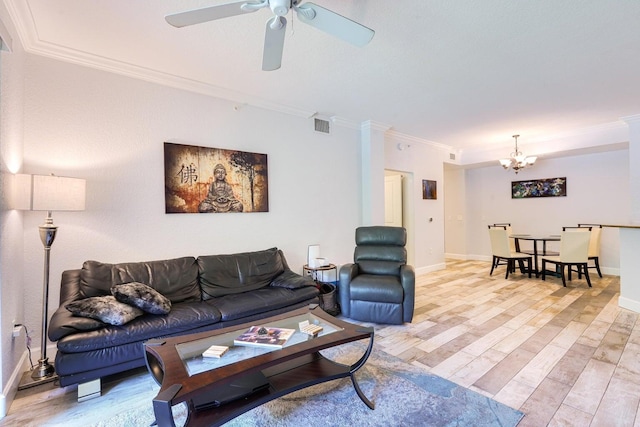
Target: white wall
11, 262
455, 213
422, 161
110, 130
597, 192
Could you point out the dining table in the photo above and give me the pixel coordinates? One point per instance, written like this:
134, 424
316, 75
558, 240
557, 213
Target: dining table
535, 252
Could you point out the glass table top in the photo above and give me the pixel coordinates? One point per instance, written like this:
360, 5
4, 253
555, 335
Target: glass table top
191, 352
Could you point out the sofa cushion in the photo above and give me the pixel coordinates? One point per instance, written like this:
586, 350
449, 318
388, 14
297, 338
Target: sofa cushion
142, 296
183, 318
237, 306
291, 280
232, 274
106, 309
176, 279
375, 288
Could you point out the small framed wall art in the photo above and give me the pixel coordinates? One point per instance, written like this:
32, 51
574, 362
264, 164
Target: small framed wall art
429, 189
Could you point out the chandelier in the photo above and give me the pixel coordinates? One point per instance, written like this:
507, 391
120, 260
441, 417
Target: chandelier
517, 160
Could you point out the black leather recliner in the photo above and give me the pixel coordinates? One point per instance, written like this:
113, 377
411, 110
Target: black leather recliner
379, 286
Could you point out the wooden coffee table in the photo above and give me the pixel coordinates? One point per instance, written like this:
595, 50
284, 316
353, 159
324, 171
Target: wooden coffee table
218, 390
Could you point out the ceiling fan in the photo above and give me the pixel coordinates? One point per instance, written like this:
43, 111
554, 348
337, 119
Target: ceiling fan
309, 13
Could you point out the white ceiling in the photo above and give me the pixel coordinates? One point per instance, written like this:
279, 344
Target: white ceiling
464, 73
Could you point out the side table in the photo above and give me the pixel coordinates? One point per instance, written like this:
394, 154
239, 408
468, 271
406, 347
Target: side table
328, 296
317, 273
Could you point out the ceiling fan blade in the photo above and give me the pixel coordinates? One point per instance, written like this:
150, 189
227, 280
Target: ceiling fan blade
274, 43
334, 24
198, 16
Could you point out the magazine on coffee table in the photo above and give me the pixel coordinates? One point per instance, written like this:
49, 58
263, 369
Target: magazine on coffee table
264, 336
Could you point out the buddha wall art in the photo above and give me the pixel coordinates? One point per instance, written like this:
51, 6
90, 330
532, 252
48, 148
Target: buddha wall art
214, 180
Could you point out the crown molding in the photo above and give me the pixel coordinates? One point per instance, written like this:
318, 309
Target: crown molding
32, 44
635, 119
414, 139
373, 125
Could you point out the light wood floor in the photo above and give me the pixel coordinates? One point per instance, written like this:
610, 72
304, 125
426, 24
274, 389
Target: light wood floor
564, 356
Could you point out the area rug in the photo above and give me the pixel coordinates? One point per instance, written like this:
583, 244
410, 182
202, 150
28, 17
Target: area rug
404, 395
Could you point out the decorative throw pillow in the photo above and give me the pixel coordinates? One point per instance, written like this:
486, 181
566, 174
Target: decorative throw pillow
142, 296
106, 309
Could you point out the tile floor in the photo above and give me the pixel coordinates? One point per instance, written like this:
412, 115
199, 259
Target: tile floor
564, 356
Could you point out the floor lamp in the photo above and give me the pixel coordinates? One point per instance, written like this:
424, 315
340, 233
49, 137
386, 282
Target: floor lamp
50, 193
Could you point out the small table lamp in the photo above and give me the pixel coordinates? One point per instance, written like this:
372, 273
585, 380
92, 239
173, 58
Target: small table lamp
51, 193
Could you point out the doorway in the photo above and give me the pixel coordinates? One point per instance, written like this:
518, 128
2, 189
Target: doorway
393, 200
398, 205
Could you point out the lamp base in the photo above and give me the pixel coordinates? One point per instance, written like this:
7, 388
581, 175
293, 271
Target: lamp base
41, 374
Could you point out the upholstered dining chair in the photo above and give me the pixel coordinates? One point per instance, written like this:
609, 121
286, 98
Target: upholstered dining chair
378, 286
501, 251
594, 245
574, 251
512, 242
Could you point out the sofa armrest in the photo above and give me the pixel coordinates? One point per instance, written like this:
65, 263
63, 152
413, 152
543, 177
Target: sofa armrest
290, 280
64, 323
347, 273
70, 287
408, 281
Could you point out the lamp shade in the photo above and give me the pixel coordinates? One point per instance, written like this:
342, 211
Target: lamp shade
57, 193
19, 191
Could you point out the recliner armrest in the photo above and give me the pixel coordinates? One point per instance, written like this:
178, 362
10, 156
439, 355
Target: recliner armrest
408, 281
347, 273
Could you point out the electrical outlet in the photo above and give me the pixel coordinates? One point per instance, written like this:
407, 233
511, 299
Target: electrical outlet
16, 330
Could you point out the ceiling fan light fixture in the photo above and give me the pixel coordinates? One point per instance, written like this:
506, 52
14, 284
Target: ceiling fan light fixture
309, 13
276, 22
279, 7
253, 6
517, 160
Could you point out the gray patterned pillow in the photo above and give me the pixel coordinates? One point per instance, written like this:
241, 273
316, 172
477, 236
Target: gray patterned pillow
106, 309
142, 296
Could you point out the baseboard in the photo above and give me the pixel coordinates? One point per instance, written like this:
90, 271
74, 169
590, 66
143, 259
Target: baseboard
467, 257
430, 268
10, 390
23, 365
472, 257
629, 304
460, 257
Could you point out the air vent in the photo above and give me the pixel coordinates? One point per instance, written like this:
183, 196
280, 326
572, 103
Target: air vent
452, 156
322, 126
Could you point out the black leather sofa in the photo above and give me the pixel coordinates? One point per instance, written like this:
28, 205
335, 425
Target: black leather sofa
206, 293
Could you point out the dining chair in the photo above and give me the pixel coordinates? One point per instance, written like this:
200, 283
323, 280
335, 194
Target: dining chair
512, 242
576, 228
574, 251
594, 245
501, 250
